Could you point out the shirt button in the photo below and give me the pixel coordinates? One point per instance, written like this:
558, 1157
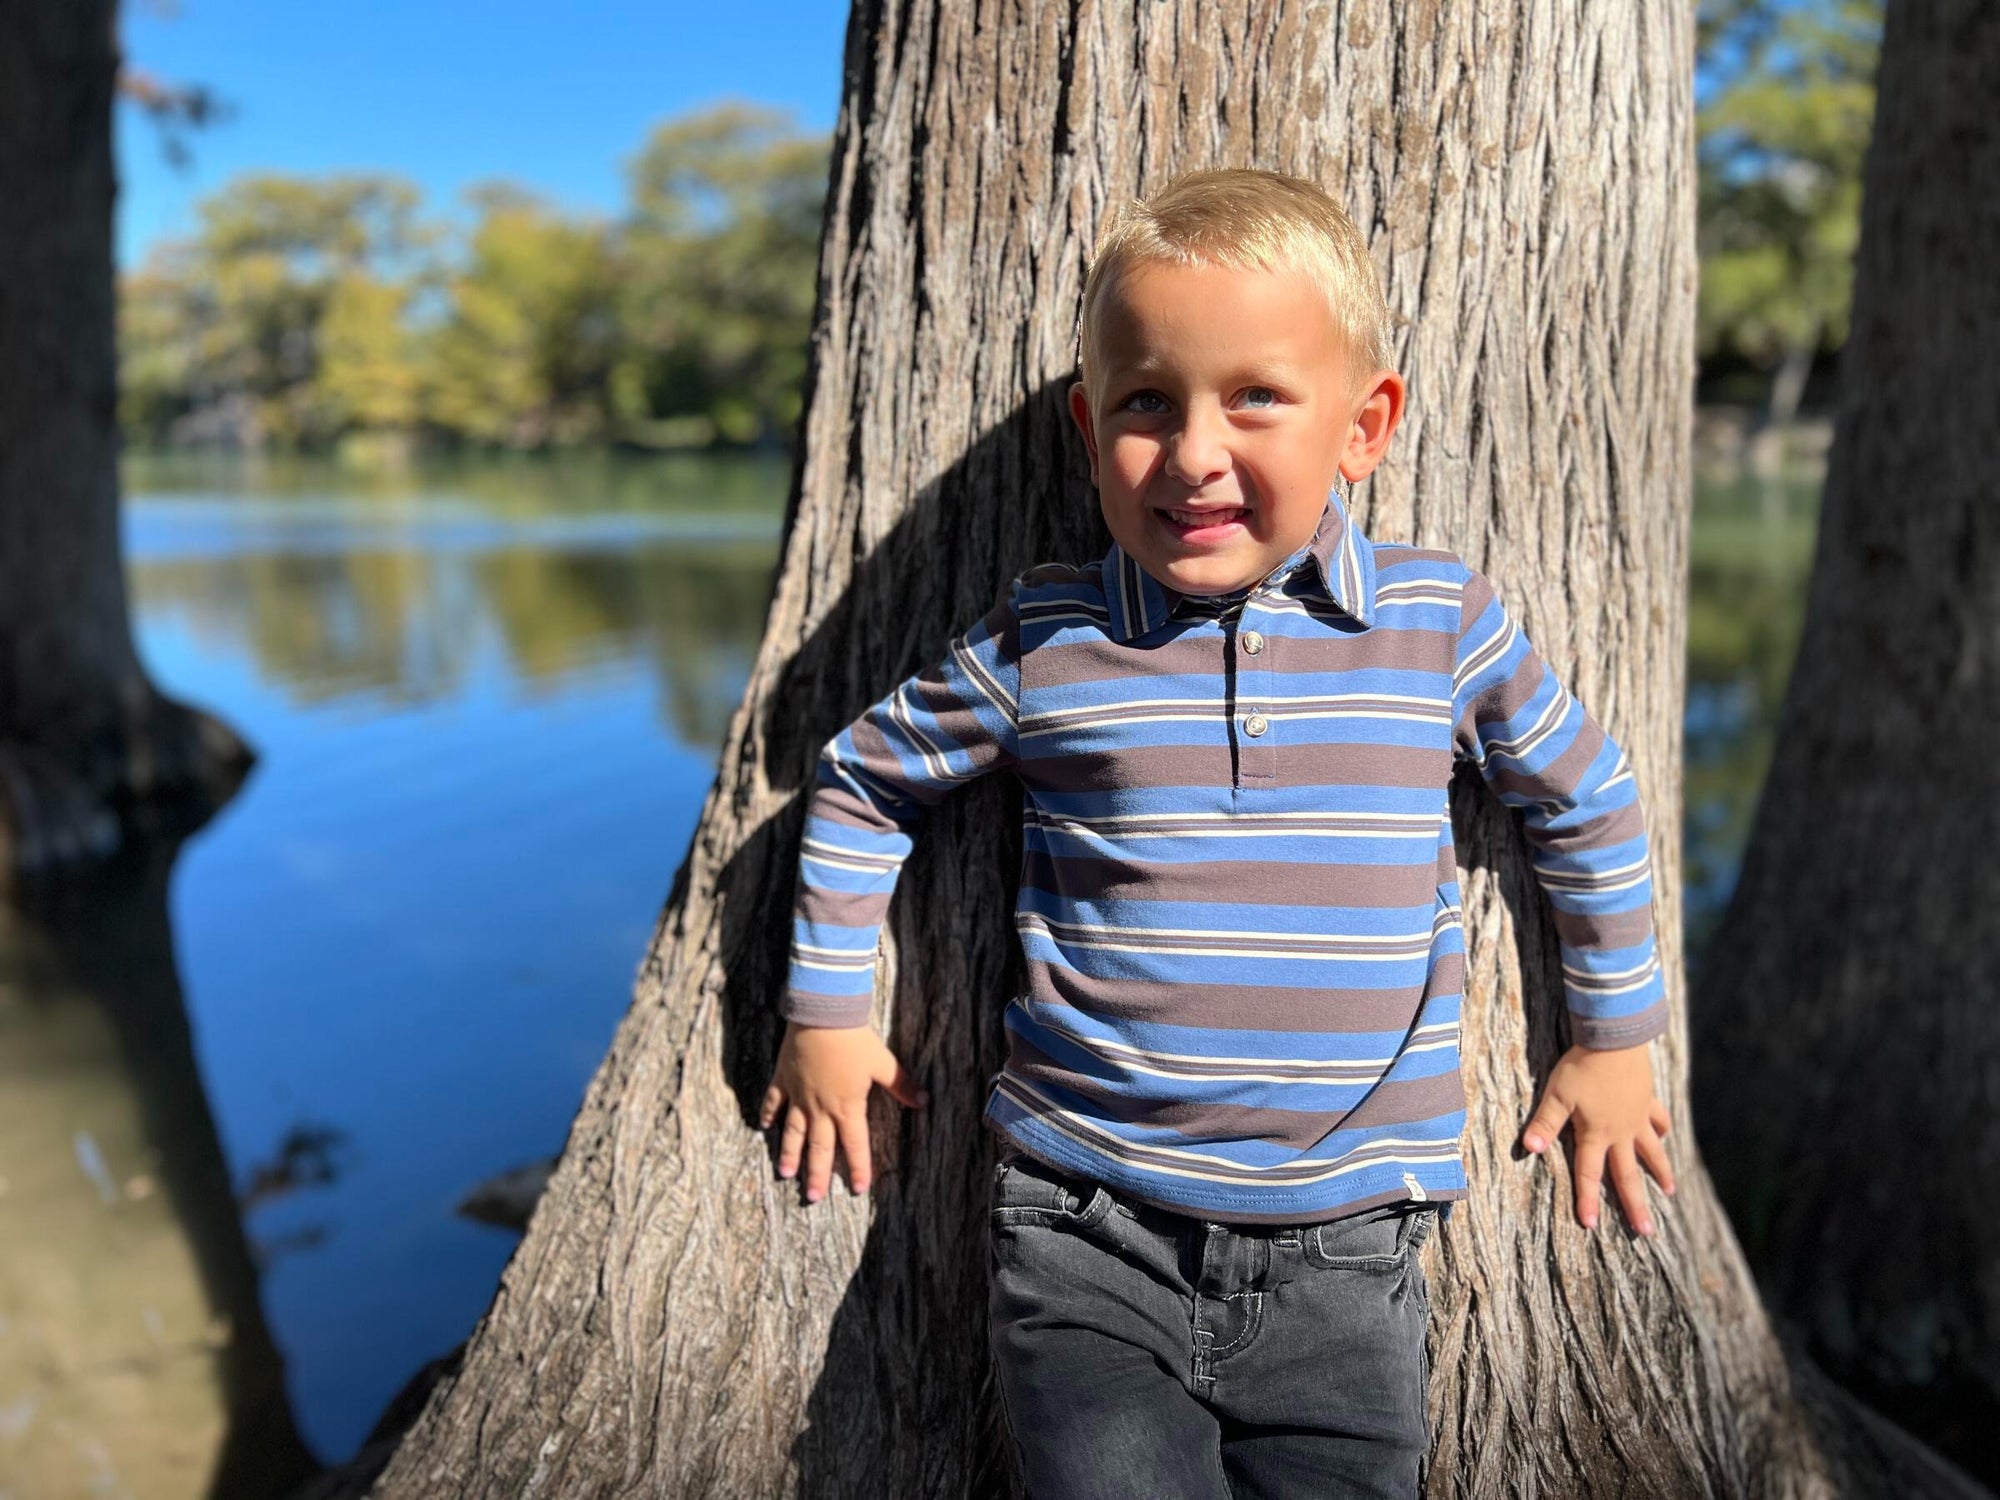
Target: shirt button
1255, 724
1252, 642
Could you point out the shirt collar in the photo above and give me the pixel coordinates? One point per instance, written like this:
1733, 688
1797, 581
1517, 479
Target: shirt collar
1344, 559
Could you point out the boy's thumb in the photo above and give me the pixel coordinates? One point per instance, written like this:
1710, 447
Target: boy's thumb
901, 1086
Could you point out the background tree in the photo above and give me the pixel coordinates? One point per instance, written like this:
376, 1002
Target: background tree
307, 311
719, 250
1846, 1022
525, 353
675, 1321
86, 742
1789, 90
227, 335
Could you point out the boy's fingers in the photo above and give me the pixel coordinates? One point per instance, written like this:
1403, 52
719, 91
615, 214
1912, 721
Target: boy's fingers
1631, 1186
1589, 1179
1546, 1123
793, 1142
824, 1136
773, 1097
1661, 1124
1654, 1155
854, 1144
903, 1088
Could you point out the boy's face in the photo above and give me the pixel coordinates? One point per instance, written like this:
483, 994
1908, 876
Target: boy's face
1221, 404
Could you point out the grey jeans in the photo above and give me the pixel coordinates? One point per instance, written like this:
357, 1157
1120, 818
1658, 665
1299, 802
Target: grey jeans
1141, 1353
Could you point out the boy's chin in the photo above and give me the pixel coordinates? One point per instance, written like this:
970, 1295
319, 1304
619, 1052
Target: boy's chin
1209, 576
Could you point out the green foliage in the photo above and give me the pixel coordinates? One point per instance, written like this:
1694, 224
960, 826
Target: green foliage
524, 354
368, 374
1787, 100
230, 328
721, 255
306, 312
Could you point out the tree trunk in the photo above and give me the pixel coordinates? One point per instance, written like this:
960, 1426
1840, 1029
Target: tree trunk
1849, 1018
676, 1321
85, 740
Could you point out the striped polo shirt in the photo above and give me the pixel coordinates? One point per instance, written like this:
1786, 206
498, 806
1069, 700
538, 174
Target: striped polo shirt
1239, 899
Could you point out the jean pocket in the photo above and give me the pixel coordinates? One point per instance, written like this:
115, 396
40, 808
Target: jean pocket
1027, 1191
1363, 1242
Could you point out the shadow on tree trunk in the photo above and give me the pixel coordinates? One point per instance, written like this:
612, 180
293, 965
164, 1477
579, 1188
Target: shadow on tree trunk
920, 1286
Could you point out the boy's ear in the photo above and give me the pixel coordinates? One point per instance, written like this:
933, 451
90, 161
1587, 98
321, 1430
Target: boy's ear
1375, 419
1080, 413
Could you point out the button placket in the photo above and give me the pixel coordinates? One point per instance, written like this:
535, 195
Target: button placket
1257, 730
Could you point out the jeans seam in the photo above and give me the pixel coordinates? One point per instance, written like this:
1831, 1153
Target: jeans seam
1007, 1419
1424, 1362
1253, 1319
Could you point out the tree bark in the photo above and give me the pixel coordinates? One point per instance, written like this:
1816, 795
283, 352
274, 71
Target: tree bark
676, 1322
86, 742
1848, 1019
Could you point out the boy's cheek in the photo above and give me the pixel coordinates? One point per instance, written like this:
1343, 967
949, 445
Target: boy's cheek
1130, 459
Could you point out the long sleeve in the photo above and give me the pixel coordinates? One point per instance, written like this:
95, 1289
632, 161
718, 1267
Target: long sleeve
951, 722
1541, 752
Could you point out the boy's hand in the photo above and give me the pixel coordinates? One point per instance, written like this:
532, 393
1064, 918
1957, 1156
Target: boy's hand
1607, 1096
826, 1072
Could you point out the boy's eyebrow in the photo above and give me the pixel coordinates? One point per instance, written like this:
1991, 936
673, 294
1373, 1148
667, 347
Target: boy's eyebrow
1270, 369
1257, 368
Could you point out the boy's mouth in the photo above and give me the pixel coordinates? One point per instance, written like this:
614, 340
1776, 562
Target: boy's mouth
1210, 524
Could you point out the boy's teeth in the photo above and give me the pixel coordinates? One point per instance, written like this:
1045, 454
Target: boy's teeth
1205, 517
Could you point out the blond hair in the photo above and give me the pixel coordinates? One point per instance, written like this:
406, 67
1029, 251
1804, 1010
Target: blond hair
1245, 220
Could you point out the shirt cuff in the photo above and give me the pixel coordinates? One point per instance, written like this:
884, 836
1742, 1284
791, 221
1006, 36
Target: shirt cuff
809, 1009
1623, 1031
1615, 996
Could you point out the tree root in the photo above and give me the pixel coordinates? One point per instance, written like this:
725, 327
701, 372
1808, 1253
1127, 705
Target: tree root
1867, 1455
72, 800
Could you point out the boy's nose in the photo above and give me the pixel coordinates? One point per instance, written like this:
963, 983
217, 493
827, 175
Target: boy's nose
1199, 452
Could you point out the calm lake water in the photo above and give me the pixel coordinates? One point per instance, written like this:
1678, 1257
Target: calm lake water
245, 1083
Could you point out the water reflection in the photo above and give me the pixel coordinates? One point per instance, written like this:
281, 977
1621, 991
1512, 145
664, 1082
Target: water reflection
1750, 557
486, 704
246, 1084
132, 1336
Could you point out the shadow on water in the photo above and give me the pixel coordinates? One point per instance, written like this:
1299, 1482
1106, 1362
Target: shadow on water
919, 1291
139, 1286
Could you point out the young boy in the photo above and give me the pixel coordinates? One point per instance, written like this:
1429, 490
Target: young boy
1232, 1104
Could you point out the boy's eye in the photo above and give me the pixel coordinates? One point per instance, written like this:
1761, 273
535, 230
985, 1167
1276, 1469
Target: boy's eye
1260, 396
1138, 400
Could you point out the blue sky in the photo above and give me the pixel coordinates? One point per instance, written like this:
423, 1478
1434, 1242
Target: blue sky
447, 92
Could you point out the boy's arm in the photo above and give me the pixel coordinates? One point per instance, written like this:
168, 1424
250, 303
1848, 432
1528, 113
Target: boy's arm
951, 722
947, 724
1542, 753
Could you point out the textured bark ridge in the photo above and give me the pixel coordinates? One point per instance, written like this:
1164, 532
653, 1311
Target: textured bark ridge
1849, 1022
85, 740
676, 1321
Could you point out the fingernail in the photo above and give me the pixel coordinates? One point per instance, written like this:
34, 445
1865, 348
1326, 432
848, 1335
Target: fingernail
1590, 1221
1534, 1143
1646, 1227
812, 1195
788, 1173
